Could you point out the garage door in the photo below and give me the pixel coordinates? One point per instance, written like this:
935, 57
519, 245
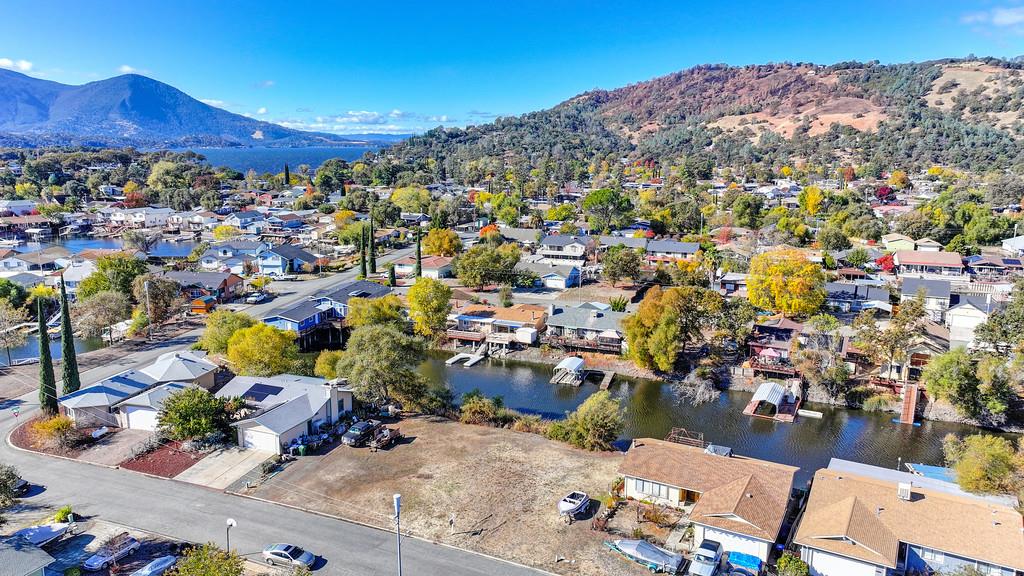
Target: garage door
140, 418
260, 441
732, 542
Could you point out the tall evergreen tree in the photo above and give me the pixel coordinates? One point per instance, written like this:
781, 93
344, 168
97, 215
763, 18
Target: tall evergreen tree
392, 280
69, 361
418, 270
362, 251
373, 248
47, 384
287, 177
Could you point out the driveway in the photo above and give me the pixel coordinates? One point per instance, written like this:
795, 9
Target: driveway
223, 467
115, 448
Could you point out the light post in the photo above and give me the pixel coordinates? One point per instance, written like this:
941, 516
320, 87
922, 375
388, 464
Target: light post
230, 524
398, 529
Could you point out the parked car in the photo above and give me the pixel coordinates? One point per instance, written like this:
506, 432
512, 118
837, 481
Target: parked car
157, 567
21, 487
288, 555
255, 298
115, 549
706, 559
360, 432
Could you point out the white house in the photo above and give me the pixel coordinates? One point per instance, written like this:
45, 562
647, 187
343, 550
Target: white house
1014, 246
862, 520
182, 366
936, 295
94, 405
965, 316
435, 267
562, 249
141, 412
285, 407
145, 217
17, 207
670, 251
736, 501
559, 277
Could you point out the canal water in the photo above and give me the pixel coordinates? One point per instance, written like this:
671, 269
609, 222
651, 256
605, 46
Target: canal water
652, 409
162, 249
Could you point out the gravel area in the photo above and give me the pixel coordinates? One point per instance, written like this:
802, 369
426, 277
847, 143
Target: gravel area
501, 487
167, 461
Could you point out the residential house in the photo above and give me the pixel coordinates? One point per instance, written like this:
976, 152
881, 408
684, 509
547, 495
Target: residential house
234, 256
17, 207
45, 260
558, 277
733, 284
585, 328
927, 245
415, 218
185, 366
304, 319
284, 222
224, 286
285, 408
204, 220
94, 405
605, 242
145, 217
936, 295
1014, 246
670, 251
526, 237
26, 280
738, 502
339, 297
984, 268
142, 411
844, 297
520, 323
435, 267
770, 343
964, 316
930, 342
862, 520
76, 271
284, 259
897, 242
19, 557
935, 265
248, 220
564, 249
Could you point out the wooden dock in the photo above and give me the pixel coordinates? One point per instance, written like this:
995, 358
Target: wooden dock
606, 381
909, 409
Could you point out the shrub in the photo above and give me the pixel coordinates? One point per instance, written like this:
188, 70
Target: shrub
478, 410
63, 514
193, 413
593, 426
791, 565
73, 571
880, 402
58, 431
529, 423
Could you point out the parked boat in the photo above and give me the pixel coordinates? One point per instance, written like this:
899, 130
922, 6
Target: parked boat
573, 504
11, 243
643, 552
46, 533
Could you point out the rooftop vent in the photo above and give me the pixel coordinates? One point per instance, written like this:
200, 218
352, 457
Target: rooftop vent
903, 491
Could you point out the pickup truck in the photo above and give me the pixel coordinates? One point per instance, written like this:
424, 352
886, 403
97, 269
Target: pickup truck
360, 432
113, 550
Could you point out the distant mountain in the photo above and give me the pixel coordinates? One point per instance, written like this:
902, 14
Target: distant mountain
130, 110
966, 113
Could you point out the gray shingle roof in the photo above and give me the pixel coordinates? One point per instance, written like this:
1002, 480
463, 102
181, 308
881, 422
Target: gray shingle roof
627, 241
932, 288
18, 557
292, 252
284, 417
671, 246
563, 240
586, 318
356, 289
297, 313
208, 280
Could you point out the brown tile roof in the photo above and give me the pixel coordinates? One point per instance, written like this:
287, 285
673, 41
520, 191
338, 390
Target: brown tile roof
738, 494
919, 258
426, 261
526, 313
861, 517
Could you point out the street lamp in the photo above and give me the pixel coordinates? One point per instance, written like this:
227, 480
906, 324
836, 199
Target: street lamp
230, 524
398, 529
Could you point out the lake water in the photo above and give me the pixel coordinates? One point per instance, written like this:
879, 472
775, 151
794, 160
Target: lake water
161, 249
652, 410
30, 349
273, 159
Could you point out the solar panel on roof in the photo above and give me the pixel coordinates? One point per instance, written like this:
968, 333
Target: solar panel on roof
259, 392
1011, 261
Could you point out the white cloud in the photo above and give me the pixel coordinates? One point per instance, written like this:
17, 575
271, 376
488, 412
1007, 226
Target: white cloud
441, 118
19, 65
214, 102
126, 69
264, 84
262, 110
1008, 18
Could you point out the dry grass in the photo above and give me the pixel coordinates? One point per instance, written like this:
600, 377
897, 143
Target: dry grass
502, 487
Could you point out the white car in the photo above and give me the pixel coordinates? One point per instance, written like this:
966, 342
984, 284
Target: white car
157, 567
288, 555
117, 548
256, 298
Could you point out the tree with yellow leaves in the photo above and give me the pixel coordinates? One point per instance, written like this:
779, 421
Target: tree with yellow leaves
225, 232
442, 242
786, 282
899, 180
343, 218
810, 199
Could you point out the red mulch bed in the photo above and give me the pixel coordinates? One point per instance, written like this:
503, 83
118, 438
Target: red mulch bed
23, 437
167, 461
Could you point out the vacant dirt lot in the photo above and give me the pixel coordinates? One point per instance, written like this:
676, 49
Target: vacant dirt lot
501, 486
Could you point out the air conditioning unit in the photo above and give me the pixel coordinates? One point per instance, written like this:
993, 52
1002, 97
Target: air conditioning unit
903, 491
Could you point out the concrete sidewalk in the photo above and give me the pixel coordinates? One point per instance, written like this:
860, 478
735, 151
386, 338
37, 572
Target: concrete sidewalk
223, 467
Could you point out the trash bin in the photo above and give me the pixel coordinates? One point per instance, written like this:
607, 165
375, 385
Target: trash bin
302, 449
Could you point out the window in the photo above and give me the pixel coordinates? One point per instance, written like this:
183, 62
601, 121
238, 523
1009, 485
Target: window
933, 556
990, 569
651, 488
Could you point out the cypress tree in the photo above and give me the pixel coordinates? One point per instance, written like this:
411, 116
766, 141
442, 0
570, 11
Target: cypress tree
47, 384
362, 252
392, 280
373, 249
69, 361
287, 177
418, 270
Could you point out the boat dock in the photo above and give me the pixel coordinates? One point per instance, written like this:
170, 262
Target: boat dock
606, 379
469, 358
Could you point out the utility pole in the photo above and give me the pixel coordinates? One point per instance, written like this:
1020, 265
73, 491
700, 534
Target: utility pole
149, 313
398, 529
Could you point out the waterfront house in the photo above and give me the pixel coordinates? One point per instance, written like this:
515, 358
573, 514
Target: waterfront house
932, 340
338, 297
45, 260
285, 407
934, 265
435, 267
520, 323
846, 297
224, 286
285, 259
585, 328
558, 277
964, 317
204, 220
304, 319
936, 295
17, 207
736, 501
244, 219
145, 217
659, 251
564, 249
78, 269
770, 344
862, 520
236, 256
895, 242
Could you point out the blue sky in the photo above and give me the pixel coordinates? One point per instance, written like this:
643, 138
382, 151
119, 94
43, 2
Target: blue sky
397, 66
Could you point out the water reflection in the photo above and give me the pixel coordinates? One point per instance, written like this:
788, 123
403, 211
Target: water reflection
652, 409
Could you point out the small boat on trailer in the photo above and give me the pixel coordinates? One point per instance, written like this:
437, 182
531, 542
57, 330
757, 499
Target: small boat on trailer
573, 504
646, 554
